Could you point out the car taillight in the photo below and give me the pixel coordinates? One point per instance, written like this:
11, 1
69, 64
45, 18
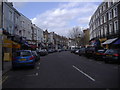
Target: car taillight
31, 58
103, 54
116, 55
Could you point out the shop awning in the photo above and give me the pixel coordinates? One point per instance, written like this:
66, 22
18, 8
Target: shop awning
109, 41
117, 42
16, 45
7, 43
10, 44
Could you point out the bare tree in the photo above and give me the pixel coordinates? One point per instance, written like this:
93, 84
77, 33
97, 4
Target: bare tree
76, 34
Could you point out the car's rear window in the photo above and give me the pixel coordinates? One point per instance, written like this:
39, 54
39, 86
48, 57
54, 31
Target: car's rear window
34, 52
101, 51
111, 51
23, 53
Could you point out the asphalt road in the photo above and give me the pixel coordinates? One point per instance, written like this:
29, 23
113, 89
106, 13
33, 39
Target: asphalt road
65, 70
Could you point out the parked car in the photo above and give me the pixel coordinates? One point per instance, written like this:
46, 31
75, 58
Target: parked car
112, 55
36, 55
50, 51
89, 51
23, 58
98, 55
77, 51
82, 51
42, 52
73, 50
59, 50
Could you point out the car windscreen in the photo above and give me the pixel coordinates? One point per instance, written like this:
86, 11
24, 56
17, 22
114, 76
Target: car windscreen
22, 53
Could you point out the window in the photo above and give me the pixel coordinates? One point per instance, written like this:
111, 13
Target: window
102, 31
115, 26
10, 16
100, 10
109, 4
104, 18
110, 15
110, 28
104, 7
115, 12
101, 20
105, 30
112, 2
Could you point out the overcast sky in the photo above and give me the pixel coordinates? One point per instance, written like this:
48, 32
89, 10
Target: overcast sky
59, 17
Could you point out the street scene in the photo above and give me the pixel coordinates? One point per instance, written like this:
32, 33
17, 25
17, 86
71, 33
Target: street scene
64, 70
59, 44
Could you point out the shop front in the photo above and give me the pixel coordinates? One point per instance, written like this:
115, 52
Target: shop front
103, 40
8, 47
109, 43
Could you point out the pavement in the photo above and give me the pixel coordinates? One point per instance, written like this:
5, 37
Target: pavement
7, 67
64, 70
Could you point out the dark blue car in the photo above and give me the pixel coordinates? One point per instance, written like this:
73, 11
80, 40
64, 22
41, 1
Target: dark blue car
23, 58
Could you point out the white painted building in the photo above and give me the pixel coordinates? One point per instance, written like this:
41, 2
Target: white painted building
40, 37
50, 37
17, 23
25, 29
8, 17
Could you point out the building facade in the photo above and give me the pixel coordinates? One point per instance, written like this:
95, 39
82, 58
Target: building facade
25, 29
86, 37
8, 17
105, 22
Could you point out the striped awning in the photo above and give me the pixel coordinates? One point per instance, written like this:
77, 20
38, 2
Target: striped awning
109, 41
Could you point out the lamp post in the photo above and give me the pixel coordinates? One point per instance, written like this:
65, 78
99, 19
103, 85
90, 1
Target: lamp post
79, 39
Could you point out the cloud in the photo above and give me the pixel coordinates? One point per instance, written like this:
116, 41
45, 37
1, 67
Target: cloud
59, 20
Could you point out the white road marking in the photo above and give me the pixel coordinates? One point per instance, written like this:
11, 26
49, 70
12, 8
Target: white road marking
38, 67
36, 74
84, 73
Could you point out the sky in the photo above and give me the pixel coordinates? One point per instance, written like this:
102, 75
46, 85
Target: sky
58, 17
